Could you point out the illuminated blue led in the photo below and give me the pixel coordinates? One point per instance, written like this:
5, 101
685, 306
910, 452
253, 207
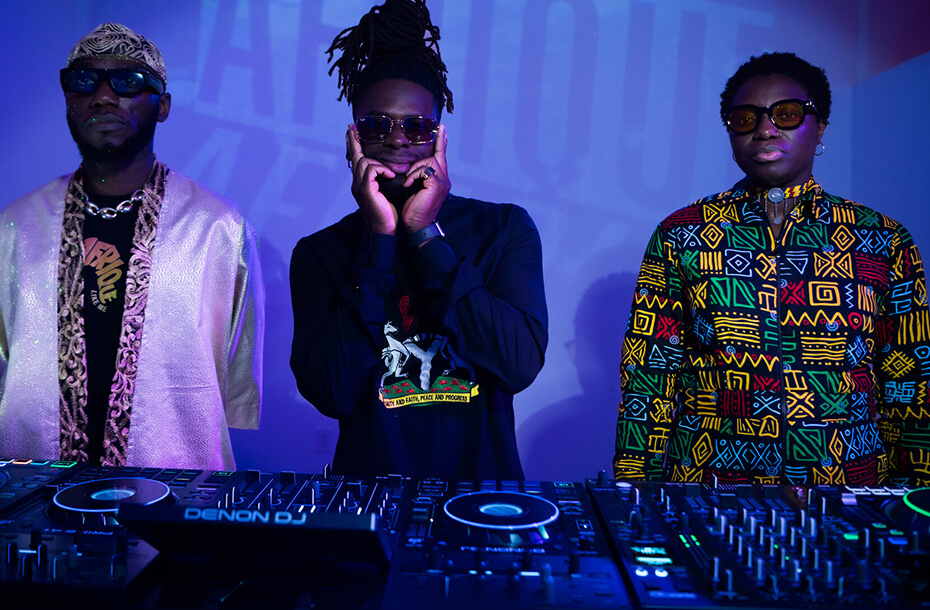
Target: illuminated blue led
113, 495
501, 509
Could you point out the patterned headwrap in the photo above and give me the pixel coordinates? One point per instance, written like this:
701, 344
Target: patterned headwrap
116, 41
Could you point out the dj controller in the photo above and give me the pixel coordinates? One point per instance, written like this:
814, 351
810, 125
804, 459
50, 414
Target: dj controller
170, 538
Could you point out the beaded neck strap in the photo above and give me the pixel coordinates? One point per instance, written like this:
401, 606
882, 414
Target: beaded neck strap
777, 194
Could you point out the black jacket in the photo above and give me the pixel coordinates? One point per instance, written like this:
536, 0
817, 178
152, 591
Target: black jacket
418, 353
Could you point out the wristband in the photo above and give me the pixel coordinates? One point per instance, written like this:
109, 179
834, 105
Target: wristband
427, 232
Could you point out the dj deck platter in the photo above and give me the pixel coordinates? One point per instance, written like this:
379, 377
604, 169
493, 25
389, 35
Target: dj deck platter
107, 495
918, 500
911, 511
505, 517
501, 510
95, 503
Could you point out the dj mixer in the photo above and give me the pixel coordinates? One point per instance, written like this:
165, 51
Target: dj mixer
742, 546
76, 536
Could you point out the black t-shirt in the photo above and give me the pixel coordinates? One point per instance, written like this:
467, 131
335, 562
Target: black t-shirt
107, 244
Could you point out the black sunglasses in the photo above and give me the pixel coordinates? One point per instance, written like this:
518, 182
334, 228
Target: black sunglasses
785, 114
124, 82
417, 129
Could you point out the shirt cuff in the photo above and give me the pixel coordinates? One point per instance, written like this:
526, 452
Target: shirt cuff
381, 251
434, 259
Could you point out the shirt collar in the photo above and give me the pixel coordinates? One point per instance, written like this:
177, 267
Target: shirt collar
810, 194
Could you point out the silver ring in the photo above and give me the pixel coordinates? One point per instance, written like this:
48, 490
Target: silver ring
429, 171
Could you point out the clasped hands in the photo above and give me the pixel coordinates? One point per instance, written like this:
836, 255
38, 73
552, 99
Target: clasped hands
422, 207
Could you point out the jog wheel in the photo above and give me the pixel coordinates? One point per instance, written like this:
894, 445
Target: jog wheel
95, 502
912, 511
508, 518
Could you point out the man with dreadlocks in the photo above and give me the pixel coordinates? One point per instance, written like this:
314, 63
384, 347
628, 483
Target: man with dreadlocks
418, 316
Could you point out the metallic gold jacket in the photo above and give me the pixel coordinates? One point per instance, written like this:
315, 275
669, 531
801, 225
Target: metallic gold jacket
197, 356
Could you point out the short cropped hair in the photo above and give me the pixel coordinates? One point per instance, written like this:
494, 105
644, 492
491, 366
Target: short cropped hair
811, 78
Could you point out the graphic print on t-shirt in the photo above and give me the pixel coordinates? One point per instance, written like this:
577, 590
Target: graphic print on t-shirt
107, 263
422, 368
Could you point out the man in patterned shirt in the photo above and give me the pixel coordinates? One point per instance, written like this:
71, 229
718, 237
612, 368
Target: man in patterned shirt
779, 333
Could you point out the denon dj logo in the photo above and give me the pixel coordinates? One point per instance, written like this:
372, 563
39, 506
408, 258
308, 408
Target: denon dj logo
244, 516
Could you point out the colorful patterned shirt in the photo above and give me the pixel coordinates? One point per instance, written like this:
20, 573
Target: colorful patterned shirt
802, 360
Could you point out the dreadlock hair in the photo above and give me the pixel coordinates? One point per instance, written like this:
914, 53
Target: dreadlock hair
811, 78
393, 40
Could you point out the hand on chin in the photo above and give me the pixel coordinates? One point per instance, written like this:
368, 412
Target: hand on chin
394, 190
